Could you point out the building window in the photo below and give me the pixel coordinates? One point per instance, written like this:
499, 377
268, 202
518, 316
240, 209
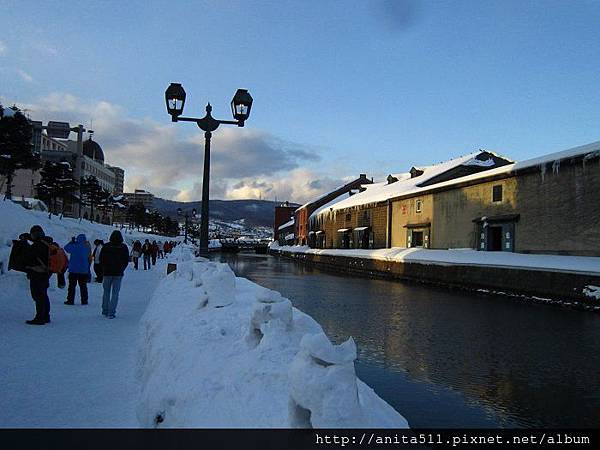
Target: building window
348, 217
419, 206
497, 193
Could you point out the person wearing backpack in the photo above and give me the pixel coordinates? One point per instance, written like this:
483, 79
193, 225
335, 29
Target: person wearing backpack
114, 259
57, 261
79, 267
36, 265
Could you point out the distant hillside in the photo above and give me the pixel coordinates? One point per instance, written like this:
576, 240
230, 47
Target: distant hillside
255, 212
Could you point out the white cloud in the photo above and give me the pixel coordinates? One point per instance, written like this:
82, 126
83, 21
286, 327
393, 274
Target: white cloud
245, 163
3, 48
298, 185
24, 76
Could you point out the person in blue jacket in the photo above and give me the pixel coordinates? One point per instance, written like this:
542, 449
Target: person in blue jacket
79, 266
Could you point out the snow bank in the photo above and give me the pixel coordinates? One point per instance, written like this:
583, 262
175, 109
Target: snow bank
221, 351
586, 264
14, 220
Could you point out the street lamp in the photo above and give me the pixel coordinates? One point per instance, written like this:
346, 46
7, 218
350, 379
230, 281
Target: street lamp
186, 226
241, 104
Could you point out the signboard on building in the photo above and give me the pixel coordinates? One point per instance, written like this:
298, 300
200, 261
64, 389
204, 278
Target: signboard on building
58, 130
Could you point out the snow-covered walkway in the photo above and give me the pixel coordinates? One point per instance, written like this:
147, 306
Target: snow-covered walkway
77, 371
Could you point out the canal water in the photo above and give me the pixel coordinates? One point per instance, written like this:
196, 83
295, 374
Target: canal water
448, 358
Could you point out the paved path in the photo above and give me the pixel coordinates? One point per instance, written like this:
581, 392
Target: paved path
77, 371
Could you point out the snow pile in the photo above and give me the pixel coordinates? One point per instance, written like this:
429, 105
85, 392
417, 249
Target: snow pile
562, 263
16, 220
221, 351
592, 291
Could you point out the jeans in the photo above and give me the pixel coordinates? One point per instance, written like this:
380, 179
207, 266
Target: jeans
111, 285
82, 280
38, 285
147, 264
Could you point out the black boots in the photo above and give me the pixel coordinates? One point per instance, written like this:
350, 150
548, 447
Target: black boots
36, 322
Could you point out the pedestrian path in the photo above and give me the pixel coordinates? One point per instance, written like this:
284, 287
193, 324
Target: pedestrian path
77, 371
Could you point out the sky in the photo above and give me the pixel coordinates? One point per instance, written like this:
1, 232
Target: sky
340, 87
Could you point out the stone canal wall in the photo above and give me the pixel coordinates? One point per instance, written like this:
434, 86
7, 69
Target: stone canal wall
536, 284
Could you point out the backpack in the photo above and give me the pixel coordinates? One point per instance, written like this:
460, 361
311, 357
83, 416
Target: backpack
18, 256
57, 259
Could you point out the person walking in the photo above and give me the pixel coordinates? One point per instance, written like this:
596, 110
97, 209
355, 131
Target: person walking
79, 268
98, 243
161, 248
36, 265
146, 250
136, 251
154, 252
114, 259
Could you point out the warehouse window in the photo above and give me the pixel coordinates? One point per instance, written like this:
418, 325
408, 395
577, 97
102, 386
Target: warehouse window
497, 193
419, 206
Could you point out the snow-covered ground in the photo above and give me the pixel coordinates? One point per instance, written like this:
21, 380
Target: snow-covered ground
14, 220
586, 264
197, 348
77, 371
221, 351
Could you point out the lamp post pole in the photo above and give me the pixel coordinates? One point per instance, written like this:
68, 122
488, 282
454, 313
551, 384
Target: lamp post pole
185, 229
205, 195
240, 107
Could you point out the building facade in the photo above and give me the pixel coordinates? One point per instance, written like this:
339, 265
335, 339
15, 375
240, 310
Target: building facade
283, 213
302, 215
547, 205
140, 197
119, 179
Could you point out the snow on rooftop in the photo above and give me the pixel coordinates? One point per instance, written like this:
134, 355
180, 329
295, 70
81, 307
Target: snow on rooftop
328, 205
382, 191
287, 224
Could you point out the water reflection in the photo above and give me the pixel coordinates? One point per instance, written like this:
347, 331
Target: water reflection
449, 358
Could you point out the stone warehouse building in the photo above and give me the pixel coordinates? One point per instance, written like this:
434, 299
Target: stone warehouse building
482, 201
302, 215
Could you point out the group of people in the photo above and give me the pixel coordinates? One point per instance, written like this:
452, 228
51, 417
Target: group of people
150, 252
44, 257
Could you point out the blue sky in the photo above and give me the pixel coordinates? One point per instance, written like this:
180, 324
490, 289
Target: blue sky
340, 87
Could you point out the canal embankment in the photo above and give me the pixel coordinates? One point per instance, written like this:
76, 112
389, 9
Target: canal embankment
567, 280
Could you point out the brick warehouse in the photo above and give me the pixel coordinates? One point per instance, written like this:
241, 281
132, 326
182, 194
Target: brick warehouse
549, 204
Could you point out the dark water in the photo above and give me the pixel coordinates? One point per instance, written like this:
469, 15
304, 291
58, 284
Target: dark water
448, 358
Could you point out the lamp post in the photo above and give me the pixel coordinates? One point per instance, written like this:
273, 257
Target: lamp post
240, 108
186, 225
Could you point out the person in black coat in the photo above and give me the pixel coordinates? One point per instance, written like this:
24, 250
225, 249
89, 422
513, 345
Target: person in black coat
36, 264
114, 258
146, 252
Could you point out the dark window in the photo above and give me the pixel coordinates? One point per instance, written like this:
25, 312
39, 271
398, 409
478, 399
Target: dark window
348, 217
497, 193
419, 206
417, 239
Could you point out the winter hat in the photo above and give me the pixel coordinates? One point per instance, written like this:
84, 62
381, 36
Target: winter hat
36, 232
116, 237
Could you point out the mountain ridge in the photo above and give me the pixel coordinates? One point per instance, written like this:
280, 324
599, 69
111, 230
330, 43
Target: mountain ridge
254, 212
